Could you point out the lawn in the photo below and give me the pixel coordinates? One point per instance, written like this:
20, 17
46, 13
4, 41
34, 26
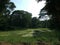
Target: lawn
28, 35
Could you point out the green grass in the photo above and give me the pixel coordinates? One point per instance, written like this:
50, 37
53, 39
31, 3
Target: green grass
27, 35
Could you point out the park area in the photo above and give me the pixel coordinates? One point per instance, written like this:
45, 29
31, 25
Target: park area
38, 36
29, 22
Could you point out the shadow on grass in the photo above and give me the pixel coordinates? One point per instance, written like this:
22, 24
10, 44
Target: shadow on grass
46, 36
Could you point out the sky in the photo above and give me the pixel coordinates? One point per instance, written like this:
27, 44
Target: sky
29, 5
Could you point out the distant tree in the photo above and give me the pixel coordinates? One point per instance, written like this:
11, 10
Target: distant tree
21, 18
45, 24
35, 22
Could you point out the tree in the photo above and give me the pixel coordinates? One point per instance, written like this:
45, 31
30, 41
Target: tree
21, 18
52, 7
6, 5
5, 9
35, 22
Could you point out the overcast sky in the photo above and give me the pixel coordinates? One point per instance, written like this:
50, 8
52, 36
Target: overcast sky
29, 5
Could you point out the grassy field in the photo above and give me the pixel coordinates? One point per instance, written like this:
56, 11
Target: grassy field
28, 35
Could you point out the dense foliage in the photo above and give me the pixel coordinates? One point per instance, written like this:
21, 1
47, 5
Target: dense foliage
53, 8
17, 19
5, 9
20, 18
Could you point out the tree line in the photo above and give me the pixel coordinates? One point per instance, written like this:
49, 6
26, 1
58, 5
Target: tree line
20, 19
